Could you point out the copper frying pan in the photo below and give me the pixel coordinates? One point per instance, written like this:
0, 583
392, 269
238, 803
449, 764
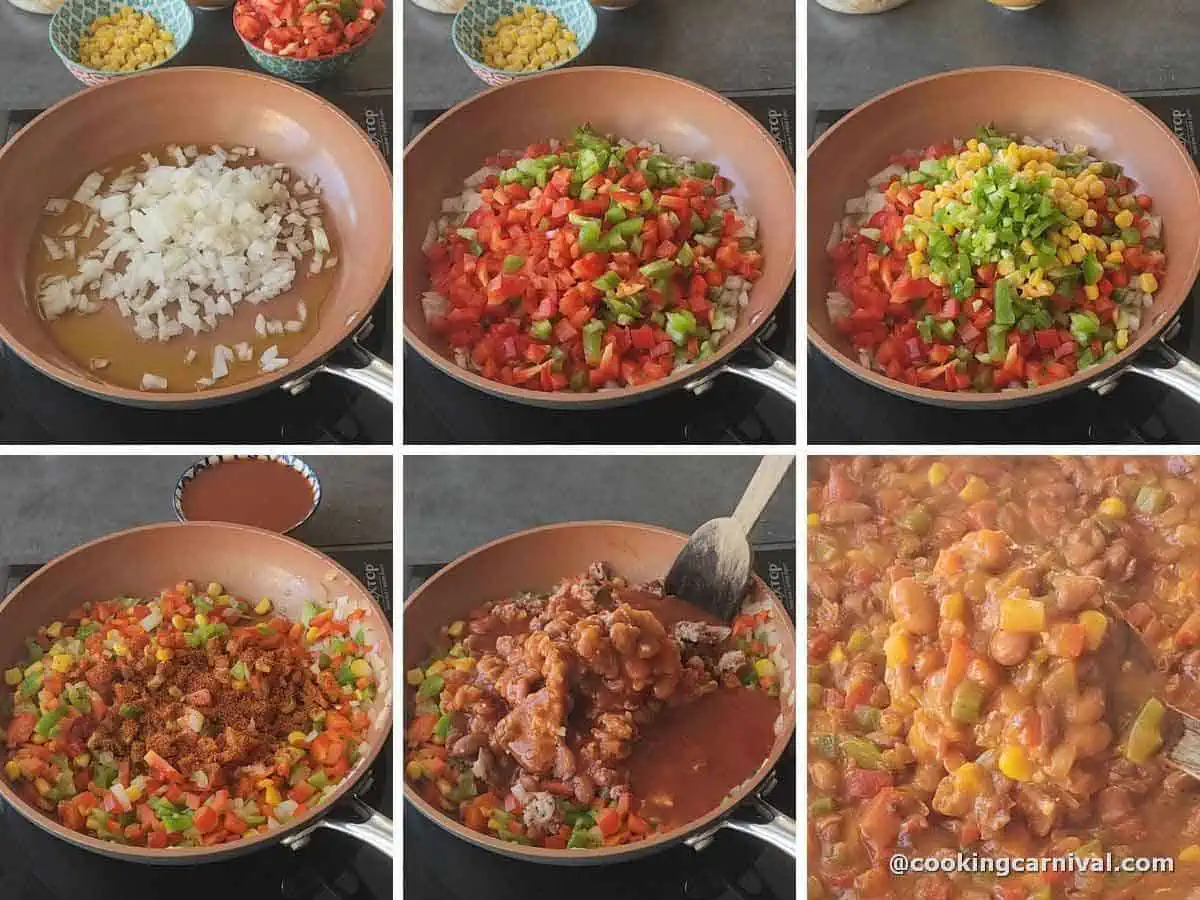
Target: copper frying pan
686, 119
537, 559
1037, 102
249, 562
286, 123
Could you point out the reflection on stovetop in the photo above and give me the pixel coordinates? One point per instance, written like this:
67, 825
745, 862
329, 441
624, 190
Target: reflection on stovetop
36, 409
844, 410
34, 865
438, 866
440, 410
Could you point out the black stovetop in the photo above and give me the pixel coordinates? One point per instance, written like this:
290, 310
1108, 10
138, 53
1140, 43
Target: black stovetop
844, 410
439, 409
37, 409
36, 866
733, 867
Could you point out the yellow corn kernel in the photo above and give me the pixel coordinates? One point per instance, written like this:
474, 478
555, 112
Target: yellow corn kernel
162, 654
975, 489
1113, 508
12, 770
969, 776
312, 634
42, 785
813, 520
1090, 218
1095, 626
1022, 614
1123, 219
1114, 259
414, 770
360, 668
1005, 267
916, 259
937, 473
61, 662
1116, 246
272, 796
179, 622
13, 676
1064, 256
1091, 291
1147, 282
1122, 338
937, 278
437, 667
262, 607
1027, 246
54, 629
923, 207
953, 606
1015, 764
121, 648
764, 668
1096, 189
297, 738
897, 649
214, 589
837, 654
201, 619
415, 676
1190, 854
456, 628
224, 600
920, 241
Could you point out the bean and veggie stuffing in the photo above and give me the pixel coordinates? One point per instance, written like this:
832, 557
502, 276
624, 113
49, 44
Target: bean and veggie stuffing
972, 681
989, 264
589, 717
589, 264
188, 719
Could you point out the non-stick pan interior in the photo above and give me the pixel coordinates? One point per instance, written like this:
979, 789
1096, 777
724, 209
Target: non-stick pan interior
535, 560
1038, 103
204, 106
144, 561
685, 118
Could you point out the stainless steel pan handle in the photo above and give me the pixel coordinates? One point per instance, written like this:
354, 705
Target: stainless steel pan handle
772, 372
1162, 363
354, 818
376, 374
774, 828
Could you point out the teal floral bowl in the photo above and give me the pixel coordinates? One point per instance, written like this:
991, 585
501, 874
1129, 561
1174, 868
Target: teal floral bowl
478, 17
304, 71
71, 23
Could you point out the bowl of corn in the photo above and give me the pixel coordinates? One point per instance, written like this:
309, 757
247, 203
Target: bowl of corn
98, 40
502, 40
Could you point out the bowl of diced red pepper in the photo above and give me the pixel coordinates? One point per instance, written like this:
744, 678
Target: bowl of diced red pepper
305, 41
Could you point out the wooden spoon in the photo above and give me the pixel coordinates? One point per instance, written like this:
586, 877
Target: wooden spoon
712, 571
1180, 730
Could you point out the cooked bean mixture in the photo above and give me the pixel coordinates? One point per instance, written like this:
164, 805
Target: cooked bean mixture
593, 716
974, 686
190, 719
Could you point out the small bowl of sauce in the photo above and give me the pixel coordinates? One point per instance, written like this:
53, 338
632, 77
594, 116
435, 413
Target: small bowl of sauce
275, 492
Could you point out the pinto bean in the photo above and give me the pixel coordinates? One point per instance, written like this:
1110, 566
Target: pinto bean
1073, 593
1091, 739
1087, 707
1009, 648
1083, 544
826, 776
915, 610
846, 512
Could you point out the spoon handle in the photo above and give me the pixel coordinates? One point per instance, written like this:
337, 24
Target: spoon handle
761, 488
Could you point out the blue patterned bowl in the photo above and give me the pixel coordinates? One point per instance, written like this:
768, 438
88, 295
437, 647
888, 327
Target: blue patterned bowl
283, 459
71, 22
477, 17
304, 71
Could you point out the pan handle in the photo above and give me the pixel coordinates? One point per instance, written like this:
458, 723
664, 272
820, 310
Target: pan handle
1162, 363
375, 374
354, 818
775, 828
769, 369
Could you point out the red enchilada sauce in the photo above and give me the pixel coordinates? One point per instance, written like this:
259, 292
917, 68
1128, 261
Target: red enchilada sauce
594, 716
259, 492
